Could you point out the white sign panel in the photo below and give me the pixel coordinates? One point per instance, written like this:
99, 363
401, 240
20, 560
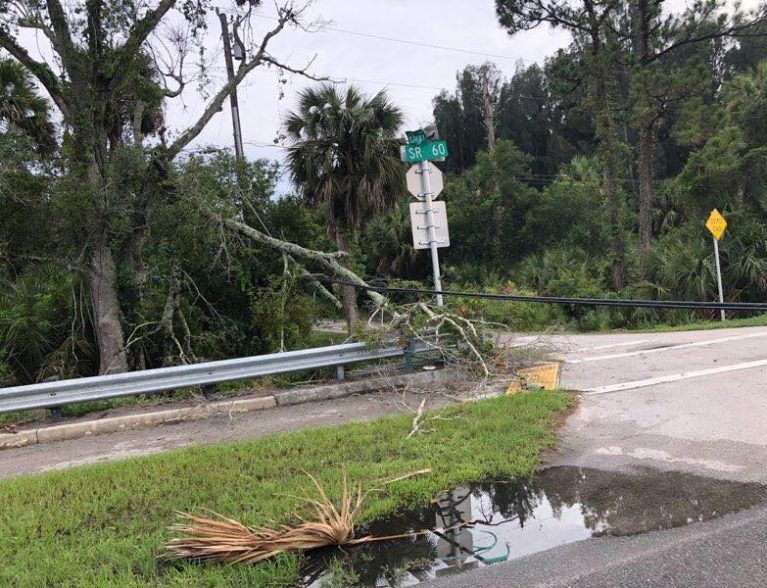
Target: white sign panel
421, 230
414, 180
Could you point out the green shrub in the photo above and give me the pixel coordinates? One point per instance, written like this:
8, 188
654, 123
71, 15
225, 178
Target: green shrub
282, 315
520, 316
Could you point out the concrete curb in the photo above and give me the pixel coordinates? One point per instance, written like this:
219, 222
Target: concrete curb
149, 420
144, 420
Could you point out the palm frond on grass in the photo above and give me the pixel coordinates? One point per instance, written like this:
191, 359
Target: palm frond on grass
226, 540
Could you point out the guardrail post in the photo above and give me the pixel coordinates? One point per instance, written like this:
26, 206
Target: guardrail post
408, 355
208, 391
340, 373
56, 413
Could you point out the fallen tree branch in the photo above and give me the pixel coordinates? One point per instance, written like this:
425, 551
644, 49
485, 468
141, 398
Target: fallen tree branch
328, 260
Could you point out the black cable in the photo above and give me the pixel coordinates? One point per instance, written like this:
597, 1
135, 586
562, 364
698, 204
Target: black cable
609, 302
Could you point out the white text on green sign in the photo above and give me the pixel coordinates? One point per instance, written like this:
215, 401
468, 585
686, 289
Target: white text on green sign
412, 153
416, 137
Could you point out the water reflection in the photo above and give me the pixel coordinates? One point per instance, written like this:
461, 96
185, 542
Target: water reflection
514, 519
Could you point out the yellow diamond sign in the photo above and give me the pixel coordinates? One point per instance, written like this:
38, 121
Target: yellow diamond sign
716, 224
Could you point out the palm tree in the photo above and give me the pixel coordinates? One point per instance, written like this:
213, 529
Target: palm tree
388, 242
22, 109
344, 156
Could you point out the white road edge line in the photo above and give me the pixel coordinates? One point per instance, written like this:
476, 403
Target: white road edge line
626, 344
674, 378
669, 348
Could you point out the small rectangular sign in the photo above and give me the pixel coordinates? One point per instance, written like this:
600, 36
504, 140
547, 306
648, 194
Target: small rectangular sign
416, 137
421, 231
414, 152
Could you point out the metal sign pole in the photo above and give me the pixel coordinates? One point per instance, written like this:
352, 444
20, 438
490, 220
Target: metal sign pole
426, 192
719, 275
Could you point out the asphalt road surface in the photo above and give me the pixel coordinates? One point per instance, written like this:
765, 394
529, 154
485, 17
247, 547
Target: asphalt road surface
691, 401
726, 552
688, 401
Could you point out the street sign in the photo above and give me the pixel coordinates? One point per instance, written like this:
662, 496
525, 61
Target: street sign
428, 219
416, 137
716, 224
427, 151
413, 178
420, 226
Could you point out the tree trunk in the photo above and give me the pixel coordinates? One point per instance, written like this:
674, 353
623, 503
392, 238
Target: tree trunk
646, 194
107, 325
604, 125
641, 18
616, 230
348, 293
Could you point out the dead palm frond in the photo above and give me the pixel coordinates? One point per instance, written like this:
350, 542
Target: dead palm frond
222, 539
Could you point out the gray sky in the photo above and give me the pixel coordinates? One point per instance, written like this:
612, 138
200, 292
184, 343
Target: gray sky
412, 75
347, 49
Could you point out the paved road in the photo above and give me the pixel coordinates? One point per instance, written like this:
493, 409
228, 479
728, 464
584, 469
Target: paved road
724, 553
689, 401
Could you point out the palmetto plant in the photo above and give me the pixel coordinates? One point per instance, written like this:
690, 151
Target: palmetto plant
344, 156
22, 108
327, 523
388, 241
35, 322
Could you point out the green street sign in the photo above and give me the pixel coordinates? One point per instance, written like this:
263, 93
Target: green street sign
416, 137
414, 152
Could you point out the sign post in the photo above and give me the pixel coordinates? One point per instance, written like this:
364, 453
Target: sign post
716, 224
427, 207
420, 150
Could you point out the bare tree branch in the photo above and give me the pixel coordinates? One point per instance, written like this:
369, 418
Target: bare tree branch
138, 35
286, 15
327, 260
62, 38
300, 71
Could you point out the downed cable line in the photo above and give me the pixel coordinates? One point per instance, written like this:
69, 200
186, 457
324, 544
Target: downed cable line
609, 302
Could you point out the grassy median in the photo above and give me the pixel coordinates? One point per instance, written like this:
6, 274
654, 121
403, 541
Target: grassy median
104, 525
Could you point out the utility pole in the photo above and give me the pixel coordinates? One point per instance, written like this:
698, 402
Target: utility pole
236, 128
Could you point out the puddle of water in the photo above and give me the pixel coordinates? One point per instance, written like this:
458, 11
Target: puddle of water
513, 519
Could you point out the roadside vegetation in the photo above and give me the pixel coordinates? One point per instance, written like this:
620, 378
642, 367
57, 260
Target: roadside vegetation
104, 525
125, 246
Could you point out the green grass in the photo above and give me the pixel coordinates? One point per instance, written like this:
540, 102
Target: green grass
104, 525
319, 338
754, 321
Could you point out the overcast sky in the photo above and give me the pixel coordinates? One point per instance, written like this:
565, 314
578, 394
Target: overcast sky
449, 35
411, 74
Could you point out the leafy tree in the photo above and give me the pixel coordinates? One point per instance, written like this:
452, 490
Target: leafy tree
653, 40
590, 22
345, 156
114, 65
487, 207
460, 119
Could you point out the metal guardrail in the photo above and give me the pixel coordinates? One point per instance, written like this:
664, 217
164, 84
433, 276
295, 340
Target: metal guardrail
60, 393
